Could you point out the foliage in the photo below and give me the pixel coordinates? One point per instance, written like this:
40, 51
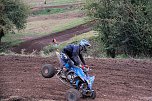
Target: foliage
124, 25
50, 48
13, 15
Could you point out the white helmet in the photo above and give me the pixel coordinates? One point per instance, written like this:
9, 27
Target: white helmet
84, 43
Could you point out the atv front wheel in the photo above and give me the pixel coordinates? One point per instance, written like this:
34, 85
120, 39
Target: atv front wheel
93, 95
72, 95
48, 71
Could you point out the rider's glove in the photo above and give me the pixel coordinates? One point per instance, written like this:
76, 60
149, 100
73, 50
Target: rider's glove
85, 68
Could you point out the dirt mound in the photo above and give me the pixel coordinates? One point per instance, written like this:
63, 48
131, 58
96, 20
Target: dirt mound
115, 79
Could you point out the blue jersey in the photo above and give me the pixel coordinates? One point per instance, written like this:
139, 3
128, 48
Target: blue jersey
73, 52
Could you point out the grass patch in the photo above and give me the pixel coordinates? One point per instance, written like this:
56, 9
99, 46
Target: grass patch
70, 24
6, 45
62, 2
50, 11
51, 2
122, 56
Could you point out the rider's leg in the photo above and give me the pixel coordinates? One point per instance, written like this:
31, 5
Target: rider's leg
65, 67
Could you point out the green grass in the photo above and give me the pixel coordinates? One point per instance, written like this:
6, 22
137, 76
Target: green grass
7, 45
62, 2
9, 41
70, 24
55, 2
50, 11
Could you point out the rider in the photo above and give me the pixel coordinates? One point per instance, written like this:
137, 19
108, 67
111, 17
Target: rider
72, 54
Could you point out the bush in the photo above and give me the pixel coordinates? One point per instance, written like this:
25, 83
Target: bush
50, 48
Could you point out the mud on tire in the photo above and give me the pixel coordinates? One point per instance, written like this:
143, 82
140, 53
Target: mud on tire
48, 71
73, 95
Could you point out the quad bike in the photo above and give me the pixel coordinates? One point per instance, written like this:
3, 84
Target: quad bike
77, 78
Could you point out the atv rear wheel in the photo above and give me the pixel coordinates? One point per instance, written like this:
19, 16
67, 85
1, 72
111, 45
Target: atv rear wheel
72, 95
48, 71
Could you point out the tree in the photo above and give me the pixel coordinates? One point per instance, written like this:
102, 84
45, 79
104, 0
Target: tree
124, 25
13, 15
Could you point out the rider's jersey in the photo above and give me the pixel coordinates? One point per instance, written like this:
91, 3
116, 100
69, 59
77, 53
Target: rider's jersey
73, 52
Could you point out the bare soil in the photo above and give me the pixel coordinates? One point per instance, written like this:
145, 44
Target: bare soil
115, 79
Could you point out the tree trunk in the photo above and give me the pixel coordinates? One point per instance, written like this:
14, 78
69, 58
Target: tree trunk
1, 35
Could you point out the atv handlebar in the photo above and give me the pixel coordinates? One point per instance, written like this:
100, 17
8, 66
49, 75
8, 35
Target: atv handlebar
86, 67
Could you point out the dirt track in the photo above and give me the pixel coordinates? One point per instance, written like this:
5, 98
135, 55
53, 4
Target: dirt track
39, 43
116, 80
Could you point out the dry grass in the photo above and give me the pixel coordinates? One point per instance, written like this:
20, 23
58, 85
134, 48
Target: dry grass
36, 2
47, 26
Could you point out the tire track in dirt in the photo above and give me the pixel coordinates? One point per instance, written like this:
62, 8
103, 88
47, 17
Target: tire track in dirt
115, 79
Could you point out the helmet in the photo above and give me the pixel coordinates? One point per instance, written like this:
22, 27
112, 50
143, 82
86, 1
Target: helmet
84, 43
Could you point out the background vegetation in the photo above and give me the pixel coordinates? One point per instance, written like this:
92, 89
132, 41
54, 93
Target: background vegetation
13, 15
124, 26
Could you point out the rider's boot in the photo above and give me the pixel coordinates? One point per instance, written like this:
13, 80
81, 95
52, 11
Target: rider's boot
63, 73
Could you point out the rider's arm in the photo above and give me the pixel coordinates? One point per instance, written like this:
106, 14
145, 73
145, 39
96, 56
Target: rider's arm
75, 56
82, 59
